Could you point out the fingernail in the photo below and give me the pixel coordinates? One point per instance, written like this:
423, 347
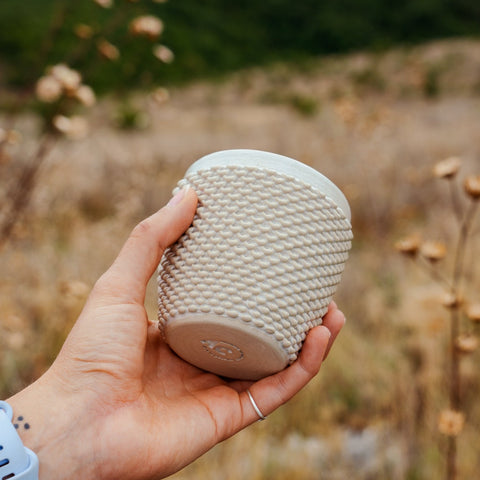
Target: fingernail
328, 331
178, 197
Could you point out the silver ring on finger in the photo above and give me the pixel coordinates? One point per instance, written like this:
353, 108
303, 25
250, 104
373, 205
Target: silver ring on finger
255, 406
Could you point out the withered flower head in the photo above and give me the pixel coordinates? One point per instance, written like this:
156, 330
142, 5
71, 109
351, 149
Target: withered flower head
104, 3
146, 25
48, 89
433, 251
472, 186
473, 312
163, 53
75, 127
86, 95
108, 50
450, 300
451, 422
69, 79
466, 343
160, 95
447, 168
408, 245
83, 31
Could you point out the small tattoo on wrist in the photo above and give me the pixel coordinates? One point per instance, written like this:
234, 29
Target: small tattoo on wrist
20, 422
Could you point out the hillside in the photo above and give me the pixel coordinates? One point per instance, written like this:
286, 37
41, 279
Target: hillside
214, 36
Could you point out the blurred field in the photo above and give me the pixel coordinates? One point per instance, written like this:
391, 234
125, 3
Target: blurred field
375, 124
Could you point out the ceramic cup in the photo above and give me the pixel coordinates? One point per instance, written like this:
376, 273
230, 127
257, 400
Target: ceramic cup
257, 268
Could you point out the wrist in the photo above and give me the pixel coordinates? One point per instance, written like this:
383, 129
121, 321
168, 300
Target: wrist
41, 418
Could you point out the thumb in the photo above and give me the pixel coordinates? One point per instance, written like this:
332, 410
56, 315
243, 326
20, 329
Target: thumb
126, 280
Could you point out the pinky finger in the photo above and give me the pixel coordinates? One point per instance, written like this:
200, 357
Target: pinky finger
272, 392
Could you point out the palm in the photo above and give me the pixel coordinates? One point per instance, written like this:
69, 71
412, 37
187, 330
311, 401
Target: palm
172, 404
151, 403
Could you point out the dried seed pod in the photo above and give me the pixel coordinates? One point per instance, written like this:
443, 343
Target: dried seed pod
451, 422
433, 251
108, 50
472, 186
473, 312
83, 31
466, 343
447, 168
408, 245
449, 300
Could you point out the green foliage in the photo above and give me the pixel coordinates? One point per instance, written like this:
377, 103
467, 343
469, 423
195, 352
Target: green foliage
212, 37
369, 79
130, 117
431, 86
304, 105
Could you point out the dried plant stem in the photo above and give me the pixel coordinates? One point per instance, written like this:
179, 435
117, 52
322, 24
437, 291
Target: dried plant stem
454, 384
465, 229
60, 13
452, 458
456, 204
21, 191
430, 269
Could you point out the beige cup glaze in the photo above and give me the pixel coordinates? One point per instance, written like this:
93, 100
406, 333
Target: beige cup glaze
258, 267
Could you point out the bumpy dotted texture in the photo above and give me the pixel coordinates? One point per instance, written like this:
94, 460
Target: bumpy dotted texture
264, 249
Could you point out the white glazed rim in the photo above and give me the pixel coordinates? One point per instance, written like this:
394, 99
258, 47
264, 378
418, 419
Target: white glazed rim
276, 163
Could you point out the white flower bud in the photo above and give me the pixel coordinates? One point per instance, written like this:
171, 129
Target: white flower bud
147, 25
86, 95
48, 89
163, 53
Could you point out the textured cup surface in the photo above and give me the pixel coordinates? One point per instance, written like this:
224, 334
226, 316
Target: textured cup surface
257, 268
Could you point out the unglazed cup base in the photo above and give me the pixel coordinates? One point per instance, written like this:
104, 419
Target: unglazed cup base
226, 348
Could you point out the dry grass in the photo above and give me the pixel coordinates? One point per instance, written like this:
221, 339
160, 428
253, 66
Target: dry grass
375, 125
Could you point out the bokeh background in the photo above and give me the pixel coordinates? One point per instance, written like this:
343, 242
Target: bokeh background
370, 94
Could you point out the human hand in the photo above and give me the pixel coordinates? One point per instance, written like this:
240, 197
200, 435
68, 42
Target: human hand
117, 403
